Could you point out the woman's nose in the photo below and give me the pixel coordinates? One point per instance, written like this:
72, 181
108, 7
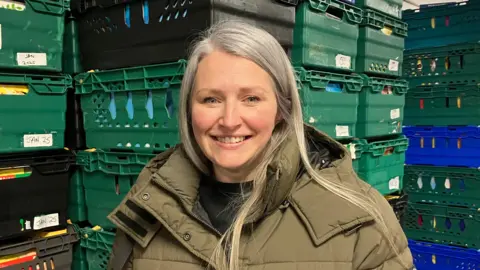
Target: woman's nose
231, 116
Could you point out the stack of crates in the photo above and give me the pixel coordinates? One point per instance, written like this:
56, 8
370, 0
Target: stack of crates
443, 116
34, 165
127, 82
348, 58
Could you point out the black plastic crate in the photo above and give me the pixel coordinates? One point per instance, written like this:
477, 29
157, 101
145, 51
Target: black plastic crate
399, 204
139, 33
33, 191
46, 253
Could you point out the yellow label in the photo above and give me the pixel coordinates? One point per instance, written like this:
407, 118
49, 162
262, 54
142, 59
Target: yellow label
13, 90
432, 22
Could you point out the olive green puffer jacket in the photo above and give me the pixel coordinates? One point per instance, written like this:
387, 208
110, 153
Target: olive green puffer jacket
303, 227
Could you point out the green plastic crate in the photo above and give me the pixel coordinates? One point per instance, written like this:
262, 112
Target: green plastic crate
330, 101
132, 108
381, 164
31, 34
443, 105
455, 64
380, 110
77, 206
389, 7
440, 25
322, 41
448, 225
380, 44
443, 185
32, 111
107, 177
97, 245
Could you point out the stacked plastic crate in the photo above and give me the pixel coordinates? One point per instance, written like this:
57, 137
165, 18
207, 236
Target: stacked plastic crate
34, 166
129, 94
348, 58
443, 113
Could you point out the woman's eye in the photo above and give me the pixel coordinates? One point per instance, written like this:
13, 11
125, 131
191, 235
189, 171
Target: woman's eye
252, 99
209, 100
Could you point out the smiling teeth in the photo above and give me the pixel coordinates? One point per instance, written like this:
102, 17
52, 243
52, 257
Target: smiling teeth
230, 139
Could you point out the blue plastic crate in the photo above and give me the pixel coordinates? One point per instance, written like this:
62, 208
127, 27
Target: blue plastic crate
444, 146
428, 256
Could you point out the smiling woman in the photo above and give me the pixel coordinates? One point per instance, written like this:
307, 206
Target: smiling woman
251, 186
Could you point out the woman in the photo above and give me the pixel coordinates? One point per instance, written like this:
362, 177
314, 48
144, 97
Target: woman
251, 187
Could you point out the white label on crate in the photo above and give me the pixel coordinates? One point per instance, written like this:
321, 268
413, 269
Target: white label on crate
395, 113
32, 59
394, 183
393, 65
37, 140
28, 225
342, 131
343, 61
353, 149
12, 5
46, 221
0, 36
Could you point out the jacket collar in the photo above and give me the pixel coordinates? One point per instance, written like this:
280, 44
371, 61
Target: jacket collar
181, 177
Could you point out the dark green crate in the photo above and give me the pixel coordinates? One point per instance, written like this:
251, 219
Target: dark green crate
323, 41
77, 206
330, 101
35, 120
389, 7
443, 185
443, 105
107, 177
381, 106
381, 44
455, 64
132, 108
381, 164
97, 244
442, 25
31, 34
448, 225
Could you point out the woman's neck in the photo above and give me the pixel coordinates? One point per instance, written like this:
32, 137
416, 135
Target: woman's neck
231, 176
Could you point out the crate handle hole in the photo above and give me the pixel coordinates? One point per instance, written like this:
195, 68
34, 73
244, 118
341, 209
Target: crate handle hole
127, 15
434, 259
447, 63
459, 143
117, 186
388, 151
420, 182
461, 185
462, 225
419, 65
420, 220
447, 183
149, 104
129, 106
145, 12
433, 65
448, 223
433, 183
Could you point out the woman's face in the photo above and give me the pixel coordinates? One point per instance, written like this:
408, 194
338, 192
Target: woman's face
234, 109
